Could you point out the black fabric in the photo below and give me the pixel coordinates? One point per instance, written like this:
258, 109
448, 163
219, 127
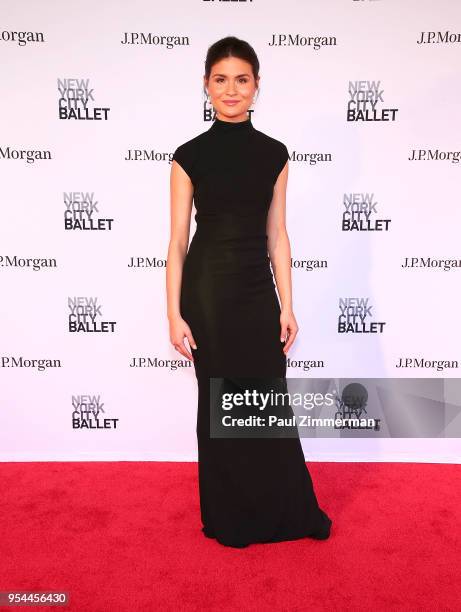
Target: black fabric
251, 490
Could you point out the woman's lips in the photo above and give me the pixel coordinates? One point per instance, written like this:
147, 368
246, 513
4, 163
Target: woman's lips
231, 102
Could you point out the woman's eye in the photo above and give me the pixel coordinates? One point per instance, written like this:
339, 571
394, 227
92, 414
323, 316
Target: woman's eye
220, 80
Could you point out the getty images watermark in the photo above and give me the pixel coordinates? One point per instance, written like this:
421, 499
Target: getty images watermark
323, 407
270, 400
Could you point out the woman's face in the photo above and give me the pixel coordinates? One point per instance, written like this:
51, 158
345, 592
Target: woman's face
231, 80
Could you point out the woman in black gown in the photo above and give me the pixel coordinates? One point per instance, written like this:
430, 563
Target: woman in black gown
222, 297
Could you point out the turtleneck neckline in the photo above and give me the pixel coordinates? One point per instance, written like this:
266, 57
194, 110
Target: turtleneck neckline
231, 126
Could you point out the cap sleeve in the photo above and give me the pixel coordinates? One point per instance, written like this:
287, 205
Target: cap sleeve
282, 159
185, 157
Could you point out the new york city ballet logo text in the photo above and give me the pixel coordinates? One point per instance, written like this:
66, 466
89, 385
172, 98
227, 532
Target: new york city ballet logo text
81, 212
85, 316
366, 102
360, 214
88, 413
76, 101
354, 317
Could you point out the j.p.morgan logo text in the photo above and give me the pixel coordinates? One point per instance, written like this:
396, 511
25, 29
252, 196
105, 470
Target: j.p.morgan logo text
421, 362
308, 264
81, 212
355, 315
29, 263
435, 155
157, 40
88, 413
86, 316
40, 364
300, 40
147, 262
366, 102
439, 37
20, 38
76, 101
28, 155
361, 214
432, 263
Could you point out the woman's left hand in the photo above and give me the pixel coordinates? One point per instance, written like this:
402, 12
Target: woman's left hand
288, 329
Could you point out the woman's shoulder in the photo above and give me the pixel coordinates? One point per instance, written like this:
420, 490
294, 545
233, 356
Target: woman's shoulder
193, 143
273, 143
186, 154
274, 149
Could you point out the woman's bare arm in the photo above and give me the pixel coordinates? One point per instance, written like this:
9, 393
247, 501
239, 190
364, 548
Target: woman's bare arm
278, 245
181, 196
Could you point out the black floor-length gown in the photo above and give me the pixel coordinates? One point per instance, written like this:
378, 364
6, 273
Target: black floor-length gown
253, 489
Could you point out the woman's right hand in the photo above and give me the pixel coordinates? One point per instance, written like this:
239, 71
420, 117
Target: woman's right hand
179, 330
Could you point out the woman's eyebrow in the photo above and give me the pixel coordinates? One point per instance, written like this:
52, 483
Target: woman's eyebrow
237, 76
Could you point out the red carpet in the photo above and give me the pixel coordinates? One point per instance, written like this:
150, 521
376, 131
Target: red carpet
126, 536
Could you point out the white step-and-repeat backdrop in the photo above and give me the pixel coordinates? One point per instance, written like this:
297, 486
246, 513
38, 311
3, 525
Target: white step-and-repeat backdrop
95, 98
